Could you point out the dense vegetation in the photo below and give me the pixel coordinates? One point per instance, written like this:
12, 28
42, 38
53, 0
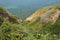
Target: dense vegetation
28, 31
24, 31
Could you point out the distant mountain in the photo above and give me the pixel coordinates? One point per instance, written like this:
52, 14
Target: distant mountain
45, 15
22, 12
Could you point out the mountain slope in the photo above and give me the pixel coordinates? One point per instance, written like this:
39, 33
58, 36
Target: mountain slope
12, 29
8, 16
47, 14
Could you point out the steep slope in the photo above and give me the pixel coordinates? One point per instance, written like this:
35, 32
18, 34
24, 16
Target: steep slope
50, 16
11, 30
4, 14
47, 14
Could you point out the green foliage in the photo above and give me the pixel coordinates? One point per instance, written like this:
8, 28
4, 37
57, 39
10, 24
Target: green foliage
26, 31
10, 31
1, 9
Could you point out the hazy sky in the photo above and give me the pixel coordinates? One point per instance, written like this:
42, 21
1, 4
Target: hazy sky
27, 2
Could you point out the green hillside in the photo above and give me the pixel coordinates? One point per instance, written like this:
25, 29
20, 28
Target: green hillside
13, 28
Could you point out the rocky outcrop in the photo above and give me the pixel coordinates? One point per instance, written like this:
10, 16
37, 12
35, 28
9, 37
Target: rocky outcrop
47, 15
50, 16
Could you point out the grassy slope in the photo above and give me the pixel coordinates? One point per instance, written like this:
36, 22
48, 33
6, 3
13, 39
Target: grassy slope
25, 31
